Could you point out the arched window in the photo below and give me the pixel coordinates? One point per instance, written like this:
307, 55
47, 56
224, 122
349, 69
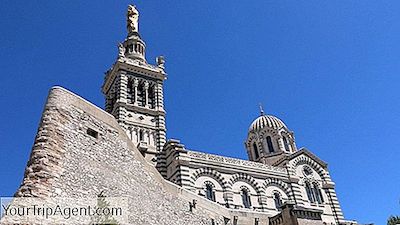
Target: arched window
318, 194
152, 97
246, 198
269, 144
256, 155
210, 195
277, 200
310, 193
130, 91
141, 95
286, 143
141, 135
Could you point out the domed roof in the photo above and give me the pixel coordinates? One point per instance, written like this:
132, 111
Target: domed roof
266, 121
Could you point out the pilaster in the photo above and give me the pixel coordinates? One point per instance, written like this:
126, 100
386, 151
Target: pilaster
262, 200
123, 87
161, 132
296, 194
329, 188
228, 196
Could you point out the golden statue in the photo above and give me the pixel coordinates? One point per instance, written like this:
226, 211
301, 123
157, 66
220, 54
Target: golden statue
132, 17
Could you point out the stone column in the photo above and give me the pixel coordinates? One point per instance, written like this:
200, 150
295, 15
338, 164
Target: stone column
153, 138
129, 132
135, 135
262, 200
146, 94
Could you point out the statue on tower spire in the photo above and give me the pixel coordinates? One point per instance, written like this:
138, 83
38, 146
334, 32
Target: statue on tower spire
132, 17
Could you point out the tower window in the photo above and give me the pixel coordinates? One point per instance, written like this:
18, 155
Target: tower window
269, 144
210, 195
141, 95
255, 149
152, 99
246, 198
130, 91
277, 200
286, 143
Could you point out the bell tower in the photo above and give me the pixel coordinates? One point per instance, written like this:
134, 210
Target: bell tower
133, 91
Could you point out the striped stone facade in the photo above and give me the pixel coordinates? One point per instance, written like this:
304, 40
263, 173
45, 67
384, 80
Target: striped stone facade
133, 90
229, 177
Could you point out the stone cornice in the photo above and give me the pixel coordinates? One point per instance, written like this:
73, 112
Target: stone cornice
143, 110
239, 163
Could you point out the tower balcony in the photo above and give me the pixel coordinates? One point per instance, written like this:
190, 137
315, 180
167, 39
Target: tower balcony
142, 146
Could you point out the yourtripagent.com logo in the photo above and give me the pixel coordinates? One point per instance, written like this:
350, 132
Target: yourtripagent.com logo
100, 210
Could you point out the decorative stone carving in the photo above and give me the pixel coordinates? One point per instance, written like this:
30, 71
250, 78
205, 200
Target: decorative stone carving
121, 50
228, 160
146, 85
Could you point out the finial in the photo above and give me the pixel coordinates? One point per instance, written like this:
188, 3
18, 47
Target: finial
160, 60
132, 18
261, 110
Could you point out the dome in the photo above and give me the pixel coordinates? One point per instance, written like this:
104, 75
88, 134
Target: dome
266, 121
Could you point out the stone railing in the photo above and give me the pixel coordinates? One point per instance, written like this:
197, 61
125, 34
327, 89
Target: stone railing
307, 214
140, 63
276, 220
233, 161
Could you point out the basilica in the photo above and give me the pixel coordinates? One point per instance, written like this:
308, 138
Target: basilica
82, 151
276, 173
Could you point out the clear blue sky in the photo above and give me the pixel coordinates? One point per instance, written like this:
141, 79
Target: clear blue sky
329, 69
